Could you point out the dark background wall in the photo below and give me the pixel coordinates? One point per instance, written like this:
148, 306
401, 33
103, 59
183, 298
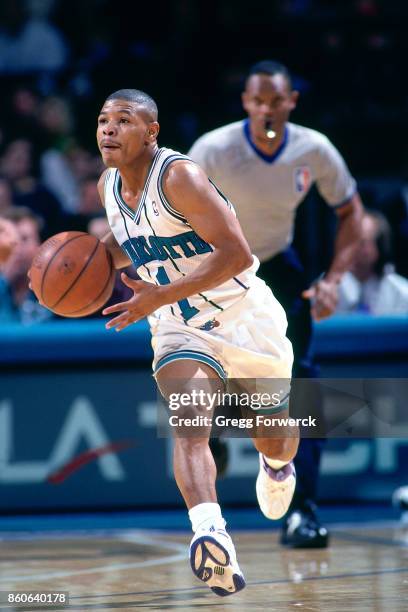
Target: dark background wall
347, 59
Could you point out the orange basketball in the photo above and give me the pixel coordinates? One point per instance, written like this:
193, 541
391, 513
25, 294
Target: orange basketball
73, 274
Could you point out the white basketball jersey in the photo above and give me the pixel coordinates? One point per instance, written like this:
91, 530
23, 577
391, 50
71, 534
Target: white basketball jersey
164, 247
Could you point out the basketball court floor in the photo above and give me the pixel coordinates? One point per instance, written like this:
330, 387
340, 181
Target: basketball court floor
125, 568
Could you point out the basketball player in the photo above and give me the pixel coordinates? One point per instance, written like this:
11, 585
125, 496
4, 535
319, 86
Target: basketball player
8, 239
213, 318
266, 166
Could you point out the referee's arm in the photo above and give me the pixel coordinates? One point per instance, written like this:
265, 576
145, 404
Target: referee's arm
324, 293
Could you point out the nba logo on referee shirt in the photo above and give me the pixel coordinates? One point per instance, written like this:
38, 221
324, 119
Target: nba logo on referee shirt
302, 179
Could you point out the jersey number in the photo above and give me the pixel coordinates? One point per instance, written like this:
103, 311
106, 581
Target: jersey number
187, 311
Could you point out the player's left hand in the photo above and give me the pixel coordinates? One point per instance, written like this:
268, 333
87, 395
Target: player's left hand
323, 295
145, 300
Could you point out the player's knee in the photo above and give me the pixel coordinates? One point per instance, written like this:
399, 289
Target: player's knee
283, 449
190, 396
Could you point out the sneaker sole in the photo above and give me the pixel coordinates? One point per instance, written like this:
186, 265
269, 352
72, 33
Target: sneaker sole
210, 562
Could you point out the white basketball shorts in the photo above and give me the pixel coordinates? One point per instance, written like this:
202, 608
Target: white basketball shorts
248, 344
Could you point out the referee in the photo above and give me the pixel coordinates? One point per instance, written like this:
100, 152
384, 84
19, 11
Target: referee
266, 165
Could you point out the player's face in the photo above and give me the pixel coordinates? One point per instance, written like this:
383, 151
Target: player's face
268, 98
124, 132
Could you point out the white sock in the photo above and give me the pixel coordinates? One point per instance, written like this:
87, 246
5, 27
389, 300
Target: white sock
203, 516
275, 464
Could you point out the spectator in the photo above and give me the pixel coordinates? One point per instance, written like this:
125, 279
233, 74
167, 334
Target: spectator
17, 302
395, 207
69, 172
16, 166
58, 176
88, 207
8, 239
29, 43
21, 119
56, 120
83, 164
372, 285
99, 227
6, 195
89, 202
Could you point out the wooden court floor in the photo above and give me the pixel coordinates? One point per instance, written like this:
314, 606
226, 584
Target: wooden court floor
366, 568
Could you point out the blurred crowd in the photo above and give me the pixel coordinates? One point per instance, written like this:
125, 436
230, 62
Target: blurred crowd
59, 60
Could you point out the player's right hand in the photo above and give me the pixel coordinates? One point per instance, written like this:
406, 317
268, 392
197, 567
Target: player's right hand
146, 299
8, 239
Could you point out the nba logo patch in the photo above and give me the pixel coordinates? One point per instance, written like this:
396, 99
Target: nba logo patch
155, 209
302, 179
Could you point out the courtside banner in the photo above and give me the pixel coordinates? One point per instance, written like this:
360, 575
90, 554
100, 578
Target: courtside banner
86, 438
79, 438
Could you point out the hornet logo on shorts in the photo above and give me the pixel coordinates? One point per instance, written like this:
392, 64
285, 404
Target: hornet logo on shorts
302, 179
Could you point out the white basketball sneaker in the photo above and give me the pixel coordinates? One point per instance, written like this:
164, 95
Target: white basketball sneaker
213, 560
275, 488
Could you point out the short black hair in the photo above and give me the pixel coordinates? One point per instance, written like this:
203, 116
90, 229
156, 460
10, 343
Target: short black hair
270, 68
138, 97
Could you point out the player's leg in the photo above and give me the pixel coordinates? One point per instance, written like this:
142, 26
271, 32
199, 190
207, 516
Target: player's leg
220, 453
277, 445
194, 468
261, 362
212, 554
285, 275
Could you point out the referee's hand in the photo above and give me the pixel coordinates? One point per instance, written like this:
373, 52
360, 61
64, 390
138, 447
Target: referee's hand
323, 296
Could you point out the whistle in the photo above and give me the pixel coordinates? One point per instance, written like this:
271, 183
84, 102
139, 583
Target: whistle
270, 133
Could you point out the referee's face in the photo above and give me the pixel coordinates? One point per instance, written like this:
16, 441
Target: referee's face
268, 98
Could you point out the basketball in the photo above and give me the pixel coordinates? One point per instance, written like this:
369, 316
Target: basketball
72, 274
